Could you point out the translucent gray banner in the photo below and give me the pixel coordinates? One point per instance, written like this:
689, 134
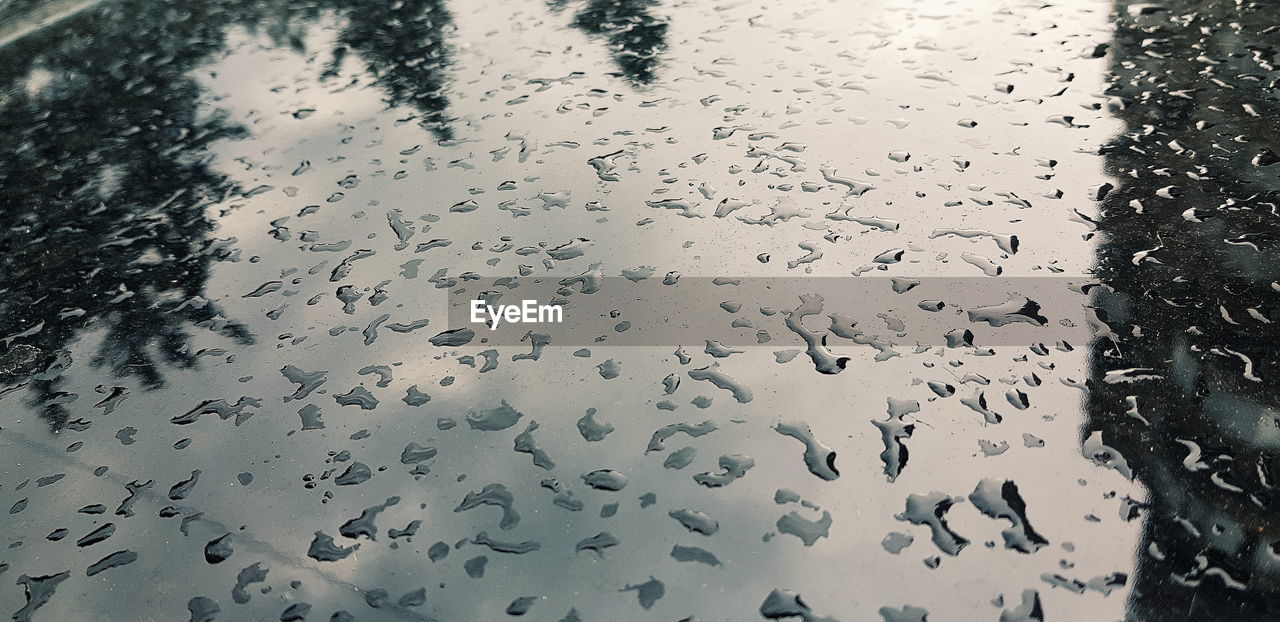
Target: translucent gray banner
897, 314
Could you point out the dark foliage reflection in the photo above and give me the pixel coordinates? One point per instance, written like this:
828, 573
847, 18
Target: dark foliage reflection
636, 36
103, 193
1183, 389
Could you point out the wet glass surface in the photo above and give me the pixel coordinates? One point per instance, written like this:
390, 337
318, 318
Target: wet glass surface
231, 387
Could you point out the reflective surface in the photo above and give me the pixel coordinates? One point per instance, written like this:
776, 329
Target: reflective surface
228, 390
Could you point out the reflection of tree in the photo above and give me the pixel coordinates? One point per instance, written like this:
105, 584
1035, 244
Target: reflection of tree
104, 179
404, 46
636, 37
1190, 252
102, 186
